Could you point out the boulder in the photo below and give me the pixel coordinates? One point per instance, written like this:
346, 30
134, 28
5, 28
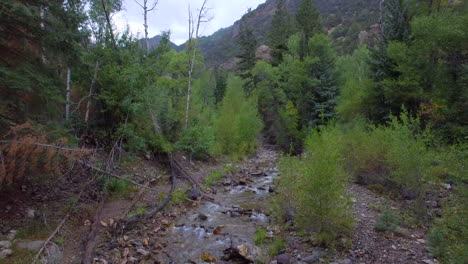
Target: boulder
249, 252
284, 259
193, 194
5, 253
5, 244
314, 257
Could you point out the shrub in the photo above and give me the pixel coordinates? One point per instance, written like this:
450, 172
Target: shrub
215, 176
238, 123
387, 221
260, 236
315, 186
197, 141
277, 247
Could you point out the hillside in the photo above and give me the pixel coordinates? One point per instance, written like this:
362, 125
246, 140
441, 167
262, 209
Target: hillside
343, 19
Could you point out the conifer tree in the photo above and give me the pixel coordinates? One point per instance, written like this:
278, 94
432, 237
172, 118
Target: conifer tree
282, 27
308, 23
248, 46
394, 26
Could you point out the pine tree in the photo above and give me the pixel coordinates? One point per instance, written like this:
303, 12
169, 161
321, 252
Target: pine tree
308, 23
282, 27
395, 26
322, 68
248, 47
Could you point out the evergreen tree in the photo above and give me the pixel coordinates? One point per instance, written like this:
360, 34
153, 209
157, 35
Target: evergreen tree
308, 23
395, 26
282, 27
322, 68
248, 46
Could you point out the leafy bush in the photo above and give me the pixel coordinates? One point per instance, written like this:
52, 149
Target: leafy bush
387, 221
197, 141
277, 247
315, 186
238, 124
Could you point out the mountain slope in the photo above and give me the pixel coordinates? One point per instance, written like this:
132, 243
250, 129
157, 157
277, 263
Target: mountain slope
343, 19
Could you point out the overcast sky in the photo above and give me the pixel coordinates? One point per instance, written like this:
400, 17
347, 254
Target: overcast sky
173, 15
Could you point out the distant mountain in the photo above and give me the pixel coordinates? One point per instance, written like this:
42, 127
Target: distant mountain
346, 21
154, 42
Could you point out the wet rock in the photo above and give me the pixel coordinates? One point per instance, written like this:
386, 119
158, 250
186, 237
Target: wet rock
284, 259
315, 256
207, 257
235, 214
249, 252
218, 230
5, 253
193, 194
5, 244
227, 182
271, 189
202, 217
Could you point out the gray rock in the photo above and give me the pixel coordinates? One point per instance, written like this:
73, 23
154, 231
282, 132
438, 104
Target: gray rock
12, 235
5, 253
285, 259
143, 252
346, 261
202, 217
249, 252
314, 257
31, 213
54, 255
5, 244
193, 194
403, 232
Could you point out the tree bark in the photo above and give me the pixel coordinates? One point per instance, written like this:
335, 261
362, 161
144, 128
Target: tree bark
91, 92
67, 106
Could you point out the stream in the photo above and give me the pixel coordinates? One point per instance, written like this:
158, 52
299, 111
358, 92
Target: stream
215, 227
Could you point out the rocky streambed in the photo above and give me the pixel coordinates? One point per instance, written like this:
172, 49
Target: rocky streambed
222, 230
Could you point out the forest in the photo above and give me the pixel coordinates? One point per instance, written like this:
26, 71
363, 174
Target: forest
109, 144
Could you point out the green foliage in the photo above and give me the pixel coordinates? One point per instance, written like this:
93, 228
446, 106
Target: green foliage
179, 196
315, 186
277, 247
197, 141
355, 83
308, 23
282, 27
238, 123
116, 188
138, 211
387, 221
260, 235
215, 176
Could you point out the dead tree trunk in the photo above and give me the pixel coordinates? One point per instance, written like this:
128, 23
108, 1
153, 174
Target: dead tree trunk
146, 10
194, 29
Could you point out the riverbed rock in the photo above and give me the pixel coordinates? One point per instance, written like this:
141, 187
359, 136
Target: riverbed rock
249, 252
193, 194
5, 253
314, 257
202, 217
284, 259
5, 244
207, 257
12, 235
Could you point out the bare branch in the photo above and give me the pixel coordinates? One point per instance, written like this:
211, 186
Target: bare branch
139, 4
153, 6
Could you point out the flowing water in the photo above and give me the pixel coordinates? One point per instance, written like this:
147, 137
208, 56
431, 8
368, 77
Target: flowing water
230, 220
